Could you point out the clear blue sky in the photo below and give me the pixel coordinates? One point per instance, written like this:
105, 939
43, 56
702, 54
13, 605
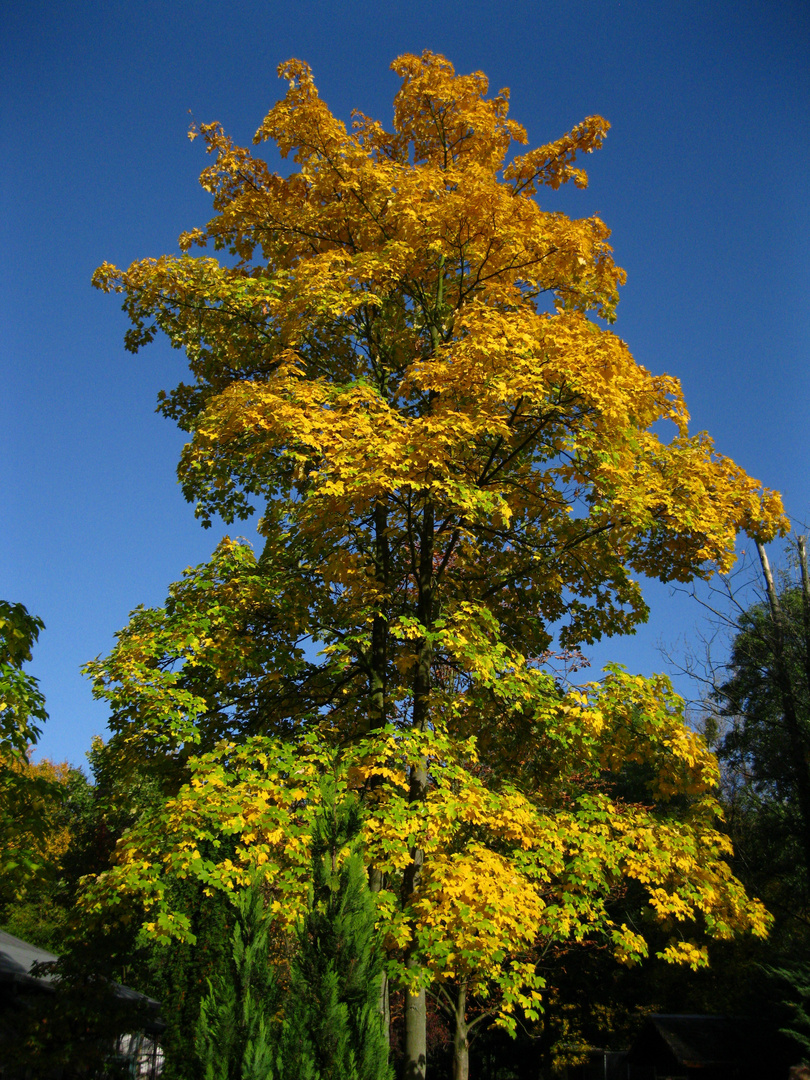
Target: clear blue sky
703, 179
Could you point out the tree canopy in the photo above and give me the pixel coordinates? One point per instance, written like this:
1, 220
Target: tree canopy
762, 709
405, 362
396, 362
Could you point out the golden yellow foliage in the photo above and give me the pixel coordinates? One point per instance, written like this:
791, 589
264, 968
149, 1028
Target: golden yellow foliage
405, 329
405, 361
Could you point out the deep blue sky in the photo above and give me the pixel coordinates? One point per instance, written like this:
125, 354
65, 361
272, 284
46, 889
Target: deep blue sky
703, 180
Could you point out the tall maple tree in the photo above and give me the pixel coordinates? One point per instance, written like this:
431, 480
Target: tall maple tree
404, 361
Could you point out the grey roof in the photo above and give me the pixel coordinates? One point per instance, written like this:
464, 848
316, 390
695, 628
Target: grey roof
17, 957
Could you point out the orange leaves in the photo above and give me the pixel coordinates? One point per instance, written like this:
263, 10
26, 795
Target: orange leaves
379, 338
301, 122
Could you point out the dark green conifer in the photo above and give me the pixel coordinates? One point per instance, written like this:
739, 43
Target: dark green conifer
334, 1027
237, 1031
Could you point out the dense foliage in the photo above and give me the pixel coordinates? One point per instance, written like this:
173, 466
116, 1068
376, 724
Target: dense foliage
449, 468
404, 361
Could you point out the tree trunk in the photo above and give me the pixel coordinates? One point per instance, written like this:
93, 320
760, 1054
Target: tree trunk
378, 673
461, 1037
415, 1067
801, 544
377, 690
415, 1003
376, 880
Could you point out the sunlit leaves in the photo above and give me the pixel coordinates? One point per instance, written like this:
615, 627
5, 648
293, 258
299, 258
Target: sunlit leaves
380, 338
207, 665
505, 870
402, 361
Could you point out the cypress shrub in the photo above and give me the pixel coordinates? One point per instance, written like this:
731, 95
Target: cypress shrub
334, 1028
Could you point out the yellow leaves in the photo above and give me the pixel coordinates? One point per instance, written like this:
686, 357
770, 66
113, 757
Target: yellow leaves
628, 946
553, 164
478, 902
666, 905
687, 953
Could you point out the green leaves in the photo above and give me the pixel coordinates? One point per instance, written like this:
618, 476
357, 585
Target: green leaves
220, 659
503, 871
22, 706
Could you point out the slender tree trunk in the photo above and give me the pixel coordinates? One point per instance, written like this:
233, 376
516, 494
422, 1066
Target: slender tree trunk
385, 1006
461, 1037
798, 742
416, 1003
415, 1067
801, 544
376, 880
377, 700
379, 627
424, 613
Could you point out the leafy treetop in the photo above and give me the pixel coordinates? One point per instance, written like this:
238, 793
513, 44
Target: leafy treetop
399, 361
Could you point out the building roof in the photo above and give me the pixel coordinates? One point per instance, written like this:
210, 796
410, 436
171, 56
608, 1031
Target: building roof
700, 1042
17, 957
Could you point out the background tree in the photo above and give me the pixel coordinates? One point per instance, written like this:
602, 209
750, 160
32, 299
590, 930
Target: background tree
769, 692
754, 710
760, 714
48, 808
454, 461
29, 796
795, 986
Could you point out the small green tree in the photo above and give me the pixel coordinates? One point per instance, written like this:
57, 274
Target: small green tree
334, 1026
236, 1035
797, 978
